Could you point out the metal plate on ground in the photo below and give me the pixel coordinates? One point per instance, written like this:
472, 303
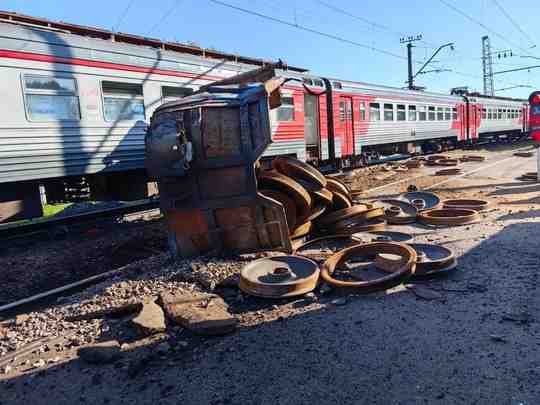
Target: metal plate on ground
433, 260
448, 216
381, 236
279, 277
468, 204
431, 200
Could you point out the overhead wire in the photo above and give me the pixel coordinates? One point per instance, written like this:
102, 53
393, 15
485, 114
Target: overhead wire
474, 20
513, 22
123, 15
308, 29
164, 17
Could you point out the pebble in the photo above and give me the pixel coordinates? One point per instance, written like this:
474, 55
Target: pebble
38, 364
7, 369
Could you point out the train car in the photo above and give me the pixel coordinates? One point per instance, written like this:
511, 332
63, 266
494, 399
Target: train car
80, 99
492, 118
79, 102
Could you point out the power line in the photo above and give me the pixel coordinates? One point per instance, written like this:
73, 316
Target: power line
164, 16
514, 23
366, 21
474, 20
123, 15
307, 29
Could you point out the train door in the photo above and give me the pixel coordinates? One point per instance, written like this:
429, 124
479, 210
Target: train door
462, 117
346, 121
311, 125
473, 111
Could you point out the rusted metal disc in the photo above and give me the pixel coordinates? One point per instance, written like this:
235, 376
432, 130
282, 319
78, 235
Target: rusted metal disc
381, 236
448, 172
370, 250
431, 200
406, 214
286, 201
345, 213
316, 211
524, 154
279, 276
447, 216
447, 162
340, 201
476, 205
414, 164
302, 230
296, 168
350, 227
299, 194
323, 195
437, 157
432, 260
472, 158
336, 185
319, 249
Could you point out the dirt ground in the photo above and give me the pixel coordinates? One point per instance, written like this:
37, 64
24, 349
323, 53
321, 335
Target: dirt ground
475, 341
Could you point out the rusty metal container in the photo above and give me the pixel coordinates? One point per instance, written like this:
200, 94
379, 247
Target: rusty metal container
202, 150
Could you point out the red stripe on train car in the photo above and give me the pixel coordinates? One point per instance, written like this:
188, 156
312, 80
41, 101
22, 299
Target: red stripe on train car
102, 65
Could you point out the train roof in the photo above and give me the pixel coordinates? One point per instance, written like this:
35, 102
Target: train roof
130, 39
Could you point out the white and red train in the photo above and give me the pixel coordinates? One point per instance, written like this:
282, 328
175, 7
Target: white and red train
77, 101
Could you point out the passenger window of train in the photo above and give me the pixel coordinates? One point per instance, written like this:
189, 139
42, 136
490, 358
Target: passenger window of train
412, 113
401, 114
499, 114
484, 113
122, 101
374, 112
362, 111
440, 114
447, 114
488, 114
454, 113
342, 111
51, 98
431, 113
389, 112
422, 113
285, 112
169, 93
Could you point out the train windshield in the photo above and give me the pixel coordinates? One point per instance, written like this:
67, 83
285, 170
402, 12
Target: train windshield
535, 109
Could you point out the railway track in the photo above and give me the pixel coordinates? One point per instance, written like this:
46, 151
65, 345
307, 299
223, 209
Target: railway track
58, 226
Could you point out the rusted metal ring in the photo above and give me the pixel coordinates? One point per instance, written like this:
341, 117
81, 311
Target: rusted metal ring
316, 212
260, 279
401, 274
472, 158
345, 213
406, 215
334, 184
290, 187
446, 162
431, 200
376, 224
447, 216
302, 230
322, 255
288, 205
524, 154
476, 205
371, 213
340, 201
296, 168
437, 157
448, 172
324, 195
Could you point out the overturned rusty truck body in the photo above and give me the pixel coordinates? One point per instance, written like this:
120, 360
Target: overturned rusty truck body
202, 150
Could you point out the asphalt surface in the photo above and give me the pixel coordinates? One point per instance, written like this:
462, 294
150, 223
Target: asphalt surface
477, 342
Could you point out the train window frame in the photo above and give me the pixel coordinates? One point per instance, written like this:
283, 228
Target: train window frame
286, 107
373, 109
119, 96
342, 107
454, 113
318, 82
401, 112
422, 113
488, 114
362, 110
166, 99
388, 110
337, 85
29, 92
447, 114
411, 113
499, 113
431, 116
440, 114
484, 113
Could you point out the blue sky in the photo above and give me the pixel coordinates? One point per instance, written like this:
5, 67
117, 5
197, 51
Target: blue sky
371, 22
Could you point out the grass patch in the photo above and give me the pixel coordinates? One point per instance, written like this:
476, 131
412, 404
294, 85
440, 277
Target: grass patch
53, 209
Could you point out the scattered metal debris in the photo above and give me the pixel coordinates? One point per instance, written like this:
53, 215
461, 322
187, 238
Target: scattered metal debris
430, 200
448, 216
468, 204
